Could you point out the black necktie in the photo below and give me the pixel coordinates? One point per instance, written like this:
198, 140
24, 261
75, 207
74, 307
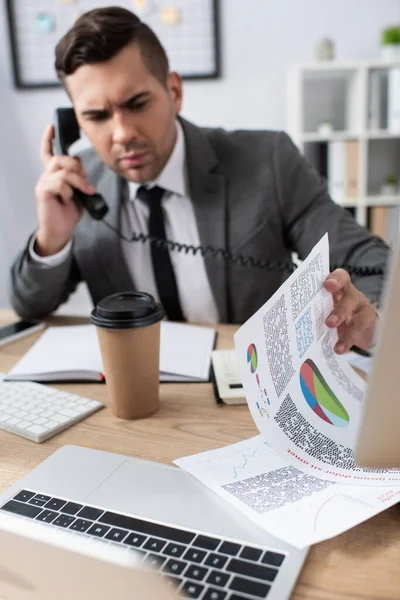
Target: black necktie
162, 266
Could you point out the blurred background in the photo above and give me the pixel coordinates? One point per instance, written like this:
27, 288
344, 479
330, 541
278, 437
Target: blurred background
327, 72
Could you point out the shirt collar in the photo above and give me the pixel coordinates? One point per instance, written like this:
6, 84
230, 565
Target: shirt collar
172, 177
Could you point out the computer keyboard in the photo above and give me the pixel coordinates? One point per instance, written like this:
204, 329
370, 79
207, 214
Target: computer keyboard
38, 412
197, 565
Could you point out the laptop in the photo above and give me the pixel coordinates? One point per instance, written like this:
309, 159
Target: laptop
182, 534
50, 563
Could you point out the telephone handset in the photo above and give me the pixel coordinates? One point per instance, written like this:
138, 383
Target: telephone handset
66, 132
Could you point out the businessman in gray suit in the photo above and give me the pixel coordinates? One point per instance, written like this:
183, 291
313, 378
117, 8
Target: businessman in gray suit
247, 191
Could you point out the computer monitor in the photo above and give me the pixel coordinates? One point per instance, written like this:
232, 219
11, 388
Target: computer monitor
45, 563
378, 441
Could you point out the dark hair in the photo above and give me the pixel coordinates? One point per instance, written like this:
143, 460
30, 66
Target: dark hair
99, 34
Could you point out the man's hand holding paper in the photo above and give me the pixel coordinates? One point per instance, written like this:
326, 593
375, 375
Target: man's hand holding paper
353, 314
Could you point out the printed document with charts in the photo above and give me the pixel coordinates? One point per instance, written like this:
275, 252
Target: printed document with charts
298, 479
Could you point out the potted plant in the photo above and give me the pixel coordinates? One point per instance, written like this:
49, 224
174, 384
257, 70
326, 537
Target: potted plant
325, 128
390, 186
325, 49
390, 43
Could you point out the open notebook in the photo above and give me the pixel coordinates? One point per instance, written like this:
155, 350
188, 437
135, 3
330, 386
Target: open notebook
73, 354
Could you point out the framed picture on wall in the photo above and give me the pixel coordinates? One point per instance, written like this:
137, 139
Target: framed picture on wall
188, 30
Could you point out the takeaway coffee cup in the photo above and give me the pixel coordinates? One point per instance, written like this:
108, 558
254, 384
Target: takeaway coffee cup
128, 329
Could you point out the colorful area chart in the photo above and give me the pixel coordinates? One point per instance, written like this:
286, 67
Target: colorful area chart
320, 397
252, 358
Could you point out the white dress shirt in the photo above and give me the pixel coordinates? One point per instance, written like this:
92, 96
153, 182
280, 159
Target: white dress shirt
196, 298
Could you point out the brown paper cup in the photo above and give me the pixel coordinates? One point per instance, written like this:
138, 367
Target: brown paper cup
131, 359
128, 330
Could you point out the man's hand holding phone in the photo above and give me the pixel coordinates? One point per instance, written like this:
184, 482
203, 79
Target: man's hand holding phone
58, 212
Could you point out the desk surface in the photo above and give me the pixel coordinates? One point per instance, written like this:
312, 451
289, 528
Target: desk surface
363, 563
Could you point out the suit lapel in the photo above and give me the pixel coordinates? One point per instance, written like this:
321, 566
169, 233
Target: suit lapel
208, 194
109, 247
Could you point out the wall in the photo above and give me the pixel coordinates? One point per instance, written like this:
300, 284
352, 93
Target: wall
260, 38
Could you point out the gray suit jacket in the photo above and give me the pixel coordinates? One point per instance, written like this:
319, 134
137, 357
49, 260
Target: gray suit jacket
252, 191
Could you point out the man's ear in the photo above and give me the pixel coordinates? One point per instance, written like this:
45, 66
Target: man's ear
175, 90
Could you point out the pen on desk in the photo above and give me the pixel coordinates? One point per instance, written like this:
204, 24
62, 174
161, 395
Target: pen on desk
217, 397
360, 351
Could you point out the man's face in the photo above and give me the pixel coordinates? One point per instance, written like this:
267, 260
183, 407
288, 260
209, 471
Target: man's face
127, 114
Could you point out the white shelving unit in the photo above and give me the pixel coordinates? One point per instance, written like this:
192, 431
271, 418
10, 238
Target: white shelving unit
355, 97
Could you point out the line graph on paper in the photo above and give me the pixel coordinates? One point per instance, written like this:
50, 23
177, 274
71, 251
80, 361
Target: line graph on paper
245, 462
248, 459
340, 508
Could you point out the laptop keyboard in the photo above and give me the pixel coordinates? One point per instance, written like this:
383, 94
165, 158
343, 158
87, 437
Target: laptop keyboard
198, 565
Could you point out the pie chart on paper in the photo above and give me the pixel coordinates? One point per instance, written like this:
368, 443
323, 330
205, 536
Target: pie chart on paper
319, 396
252, 358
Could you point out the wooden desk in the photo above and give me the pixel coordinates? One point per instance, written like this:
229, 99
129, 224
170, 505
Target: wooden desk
363, 563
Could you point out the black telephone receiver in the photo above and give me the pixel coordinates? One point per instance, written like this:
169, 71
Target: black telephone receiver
66, 132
